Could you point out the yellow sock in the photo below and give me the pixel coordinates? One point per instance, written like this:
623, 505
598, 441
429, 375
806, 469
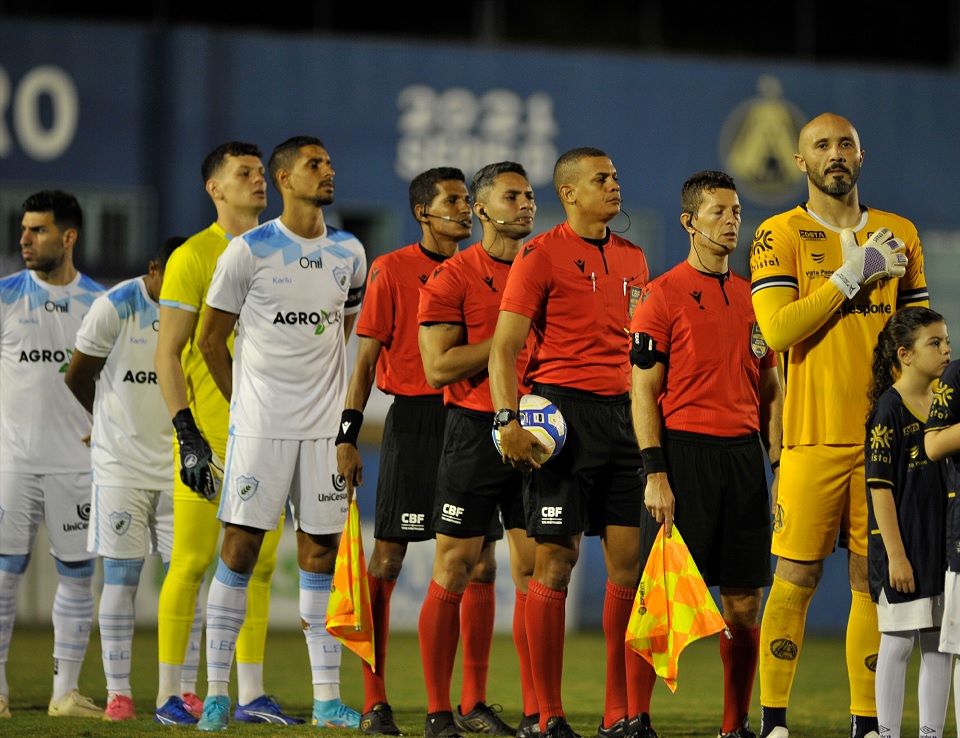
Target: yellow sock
863, 643
781, 635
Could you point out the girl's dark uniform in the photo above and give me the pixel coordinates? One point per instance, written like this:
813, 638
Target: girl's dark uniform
895, 458
944, 412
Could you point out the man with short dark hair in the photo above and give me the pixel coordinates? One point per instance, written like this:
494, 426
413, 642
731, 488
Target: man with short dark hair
44, 459
575, 286
295, 285
705, 393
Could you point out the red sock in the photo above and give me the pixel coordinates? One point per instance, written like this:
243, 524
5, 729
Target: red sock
616, 614
739, 655
477, 613
439, 631
374, 686
527, 691
641, 679
546, 621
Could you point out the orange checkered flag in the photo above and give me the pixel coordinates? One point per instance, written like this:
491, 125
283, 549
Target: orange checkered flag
349, 618
673, 607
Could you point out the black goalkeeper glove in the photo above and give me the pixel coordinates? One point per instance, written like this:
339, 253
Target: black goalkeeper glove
197, 463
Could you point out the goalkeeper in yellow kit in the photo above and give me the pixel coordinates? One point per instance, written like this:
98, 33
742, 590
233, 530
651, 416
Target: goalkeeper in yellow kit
233, 176
825, 277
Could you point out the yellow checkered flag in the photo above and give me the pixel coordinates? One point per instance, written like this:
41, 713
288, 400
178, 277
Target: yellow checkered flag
349, 618
673, 607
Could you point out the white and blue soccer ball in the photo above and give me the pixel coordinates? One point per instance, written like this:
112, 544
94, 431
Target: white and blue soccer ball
544, 419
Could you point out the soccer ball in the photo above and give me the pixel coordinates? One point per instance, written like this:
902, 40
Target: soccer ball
542, 418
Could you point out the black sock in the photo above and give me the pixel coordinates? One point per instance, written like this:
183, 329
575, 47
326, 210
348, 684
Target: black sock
860, 725
770, 718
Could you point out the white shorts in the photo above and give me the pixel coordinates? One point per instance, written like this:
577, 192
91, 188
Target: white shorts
262, 474
62, 501
919, 614
950, 632
130, 523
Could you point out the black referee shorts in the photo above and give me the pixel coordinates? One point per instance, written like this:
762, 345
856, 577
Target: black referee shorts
722, 506
409, 456
593, 482
473, 483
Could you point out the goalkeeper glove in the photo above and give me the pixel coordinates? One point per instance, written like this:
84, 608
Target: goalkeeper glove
198, 464
878, 258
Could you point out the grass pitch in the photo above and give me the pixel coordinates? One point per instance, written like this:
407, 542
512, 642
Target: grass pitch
819, 703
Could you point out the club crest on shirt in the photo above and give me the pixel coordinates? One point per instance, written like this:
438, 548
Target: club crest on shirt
247, 486
120, 522
757, 342
342, 277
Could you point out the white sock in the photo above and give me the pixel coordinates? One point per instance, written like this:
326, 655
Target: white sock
120, 581
895, 650
323, 649
169, 683
73, 606
933, 689
226, 609
191, 659
11, 572
249, 682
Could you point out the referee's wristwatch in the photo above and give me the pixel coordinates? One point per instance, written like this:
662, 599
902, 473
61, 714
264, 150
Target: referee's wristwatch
504, 417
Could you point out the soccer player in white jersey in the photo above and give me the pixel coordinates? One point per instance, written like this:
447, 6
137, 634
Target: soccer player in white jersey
292, 287
131, 512
44, 460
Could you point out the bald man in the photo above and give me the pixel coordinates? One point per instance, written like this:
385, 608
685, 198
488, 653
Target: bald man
825, 277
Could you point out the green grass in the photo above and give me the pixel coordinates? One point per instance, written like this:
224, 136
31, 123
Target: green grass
819, 704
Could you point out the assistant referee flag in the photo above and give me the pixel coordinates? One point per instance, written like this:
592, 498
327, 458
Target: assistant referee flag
673, 607
349, 618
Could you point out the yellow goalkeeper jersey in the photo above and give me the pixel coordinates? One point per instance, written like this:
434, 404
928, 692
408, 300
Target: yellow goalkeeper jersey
185, 284
826, 342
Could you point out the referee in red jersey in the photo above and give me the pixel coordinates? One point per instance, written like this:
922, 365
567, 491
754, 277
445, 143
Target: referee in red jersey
700, 364
388, 352
574, 287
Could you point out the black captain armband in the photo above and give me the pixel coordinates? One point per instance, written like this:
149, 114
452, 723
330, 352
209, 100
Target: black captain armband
644, 353
653, 460
774, 465
350, 422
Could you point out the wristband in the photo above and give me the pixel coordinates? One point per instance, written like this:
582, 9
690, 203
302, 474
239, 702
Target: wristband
350, 422
774, 465
653, 460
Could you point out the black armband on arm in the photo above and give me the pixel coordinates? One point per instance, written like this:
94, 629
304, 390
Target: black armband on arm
350, 422
653, 460
644, 353
774, 465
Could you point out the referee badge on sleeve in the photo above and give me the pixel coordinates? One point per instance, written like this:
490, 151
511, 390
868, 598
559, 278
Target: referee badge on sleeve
757, 342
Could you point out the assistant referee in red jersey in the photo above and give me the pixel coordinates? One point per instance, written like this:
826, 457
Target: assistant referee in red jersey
706, 396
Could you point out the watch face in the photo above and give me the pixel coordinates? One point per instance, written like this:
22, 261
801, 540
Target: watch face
503, 417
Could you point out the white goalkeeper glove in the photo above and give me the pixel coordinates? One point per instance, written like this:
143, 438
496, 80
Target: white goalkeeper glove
878, 258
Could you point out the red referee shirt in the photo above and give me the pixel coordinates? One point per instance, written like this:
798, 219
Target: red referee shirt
389, 314
466, 290
707, 327
580, 297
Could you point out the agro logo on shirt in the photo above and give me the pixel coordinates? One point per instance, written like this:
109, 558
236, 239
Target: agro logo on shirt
48, 356
320, 320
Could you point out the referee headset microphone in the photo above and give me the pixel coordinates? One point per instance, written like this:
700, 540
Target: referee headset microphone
726, 249
427, 214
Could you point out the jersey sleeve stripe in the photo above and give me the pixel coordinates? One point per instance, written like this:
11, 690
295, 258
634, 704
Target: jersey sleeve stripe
921, 294
777, 280
179, 305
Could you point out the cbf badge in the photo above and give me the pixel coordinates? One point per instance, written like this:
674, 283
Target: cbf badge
757, 342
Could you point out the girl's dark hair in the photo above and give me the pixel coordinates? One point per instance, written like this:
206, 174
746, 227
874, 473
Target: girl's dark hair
900, 331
